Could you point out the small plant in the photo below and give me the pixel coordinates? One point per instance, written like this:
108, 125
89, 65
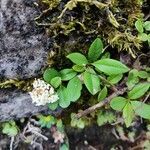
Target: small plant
88, 71
10, 128
46, 121
143, 30
100, 75
57, 130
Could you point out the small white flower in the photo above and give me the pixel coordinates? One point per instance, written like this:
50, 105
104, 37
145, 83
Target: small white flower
43, 93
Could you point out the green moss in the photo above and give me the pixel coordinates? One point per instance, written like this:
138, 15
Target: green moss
25, 85
86, 19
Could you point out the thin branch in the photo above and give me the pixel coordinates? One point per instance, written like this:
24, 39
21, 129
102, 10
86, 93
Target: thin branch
100, 104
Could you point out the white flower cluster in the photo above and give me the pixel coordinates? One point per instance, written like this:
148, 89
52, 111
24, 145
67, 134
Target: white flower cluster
43, 93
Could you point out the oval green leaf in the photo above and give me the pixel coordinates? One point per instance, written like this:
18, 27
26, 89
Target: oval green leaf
64, 101
138, 90
102, 94
78, 68
110, 66
113, 79
141, 109
128, 114
92, 82
78, 59
74, 89
67, 74
56, 82
95, 50
118, 103
147, 25
139, 26
143, 74
49, 74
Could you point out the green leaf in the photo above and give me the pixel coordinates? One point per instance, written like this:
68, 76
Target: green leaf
110, 66
78, 59
95, 50
10, 129
128, 114
53, 106
132, 78
102, 94
56, 82
92, 82
143, 74
143, 37
139, 26
113, 79
141, 109
147, 25
67, 74
138, 90
49, 74
118, 103
64, 100
78, 68
74, 89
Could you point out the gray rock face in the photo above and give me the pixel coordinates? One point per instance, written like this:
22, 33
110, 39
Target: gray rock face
23, 46
16, 104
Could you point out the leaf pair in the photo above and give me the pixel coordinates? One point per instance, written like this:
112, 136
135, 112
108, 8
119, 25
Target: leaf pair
143, 28
94, 53
71, 93
129, 107
55, 78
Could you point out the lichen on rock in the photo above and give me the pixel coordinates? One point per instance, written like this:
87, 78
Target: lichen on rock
23, 45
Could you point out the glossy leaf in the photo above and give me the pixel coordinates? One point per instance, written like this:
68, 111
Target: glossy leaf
102, 94
78, 68
138, 90
78, 59
118, 103
95, 50
132, 78
56, 82
49, 74
139, 26
64, 100
143, 74
92, 82
141, 109
67, 74
147, 25
113, 79
74, 89
110, 66
128, 114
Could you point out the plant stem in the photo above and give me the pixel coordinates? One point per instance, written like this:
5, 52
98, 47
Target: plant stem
100, 104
